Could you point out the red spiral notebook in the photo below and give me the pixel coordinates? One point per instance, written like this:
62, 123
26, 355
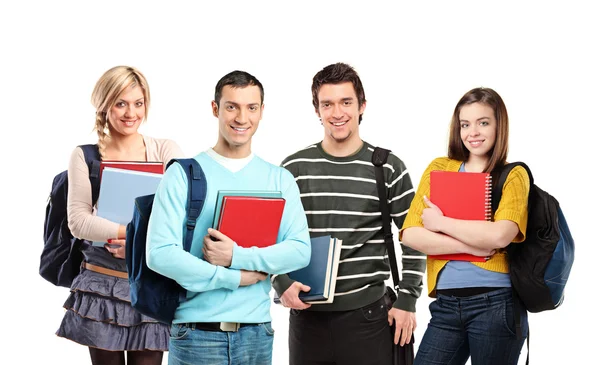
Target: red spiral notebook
251, 221
462, 195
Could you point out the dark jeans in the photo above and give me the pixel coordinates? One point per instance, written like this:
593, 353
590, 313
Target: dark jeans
481, 326
361, 336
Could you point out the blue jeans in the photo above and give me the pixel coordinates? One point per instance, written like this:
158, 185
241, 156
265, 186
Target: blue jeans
250, 345
481, 326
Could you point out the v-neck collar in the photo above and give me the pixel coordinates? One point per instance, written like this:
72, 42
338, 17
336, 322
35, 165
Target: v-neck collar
233, 165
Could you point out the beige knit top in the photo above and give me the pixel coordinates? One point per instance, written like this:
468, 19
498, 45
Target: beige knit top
81, 216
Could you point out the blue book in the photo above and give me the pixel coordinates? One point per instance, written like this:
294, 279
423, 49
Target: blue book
118, 190
321, 272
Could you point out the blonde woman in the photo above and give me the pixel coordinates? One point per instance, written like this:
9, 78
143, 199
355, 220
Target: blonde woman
99, 314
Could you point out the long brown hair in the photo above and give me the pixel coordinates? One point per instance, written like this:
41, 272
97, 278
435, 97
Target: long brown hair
499, 152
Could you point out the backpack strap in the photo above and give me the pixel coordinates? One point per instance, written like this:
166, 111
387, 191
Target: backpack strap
497, 191
496, 196
195, 197
379, 158
91, 154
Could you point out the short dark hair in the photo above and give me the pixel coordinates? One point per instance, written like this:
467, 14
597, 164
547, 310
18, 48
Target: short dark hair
338, 73
238, 79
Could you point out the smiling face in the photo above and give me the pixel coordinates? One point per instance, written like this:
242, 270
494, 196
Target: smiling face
239, 113
339, 111
478, 130
128, 112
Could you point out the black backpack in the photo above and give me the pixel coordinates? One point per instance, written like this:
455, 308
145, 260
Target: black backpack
540, 265
61, 257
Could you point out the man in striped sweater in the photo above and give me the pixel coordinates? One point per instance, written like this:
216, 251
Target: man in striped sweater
339, 194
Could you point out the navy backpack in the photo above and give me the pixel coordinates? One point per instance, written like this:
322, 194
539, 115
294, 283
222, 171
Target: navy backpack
61, 256
151, 293
540, 265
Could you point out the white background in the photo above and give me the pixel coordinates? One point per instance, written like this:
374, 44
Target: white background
415, 61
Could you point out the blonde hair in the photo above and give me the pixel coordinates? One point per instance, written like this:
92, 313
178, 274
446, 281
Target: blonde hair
106, 92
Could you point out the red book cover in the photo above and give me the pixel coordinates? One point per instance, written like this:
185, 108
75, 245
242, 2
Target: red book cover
251, 221
462, 195
153, 167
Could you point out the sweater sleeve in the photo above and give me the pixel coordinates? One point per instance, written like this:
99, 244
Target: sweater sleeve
292, 251
164, 243
413, 218
82, 222
400, 196
513, 204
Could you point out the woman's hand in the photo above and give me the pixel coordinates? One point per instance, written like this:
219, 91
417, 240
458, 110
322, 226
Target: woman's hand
431, 216
116, 248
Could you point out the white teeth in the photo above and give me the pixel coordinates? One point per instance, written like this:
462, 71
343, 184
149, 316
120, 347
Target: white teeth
240, 129
339, 124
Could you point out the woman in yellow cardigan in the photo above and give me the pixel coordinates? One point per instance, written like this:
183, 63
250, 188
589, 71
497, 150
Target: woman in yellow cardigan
473, 311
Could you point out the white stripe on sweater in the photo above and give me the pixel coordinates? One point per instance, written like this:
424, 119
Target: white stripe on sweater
364, 258
411, 190
341, 212
347, 277
351, 291
335, 162
366, 229
340, 194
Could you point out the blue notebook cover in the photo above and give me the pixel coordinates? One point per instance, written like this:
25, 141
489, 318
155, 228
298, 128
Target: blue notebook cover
256, 193
118, 190
321, 272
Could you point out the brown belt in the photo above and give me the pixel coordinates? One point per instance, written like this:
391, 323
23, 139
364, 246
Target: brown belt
105, 271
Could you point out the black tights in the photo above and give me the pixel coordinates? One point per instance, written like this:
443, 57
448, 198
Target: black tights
104, 357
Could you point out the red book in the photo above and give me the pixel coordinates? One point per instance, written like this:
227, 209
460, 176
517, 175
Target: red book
251, 221
155, 167
462, 195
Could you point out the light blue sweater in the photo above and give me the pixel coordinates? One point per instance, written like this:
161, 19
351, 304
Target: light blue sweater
214, 294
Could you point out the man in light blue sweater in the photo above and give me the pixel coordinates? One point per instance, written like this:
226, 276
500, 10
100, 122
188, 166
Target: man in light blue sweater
225, 318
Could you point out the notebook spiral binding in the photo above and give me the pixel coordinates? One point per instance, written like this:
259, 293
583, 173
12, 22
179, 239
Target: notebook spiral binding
488, 198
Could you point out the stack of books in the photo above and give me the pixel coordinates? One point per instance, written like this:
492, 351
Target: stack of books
249, 218
321, 272
120, 183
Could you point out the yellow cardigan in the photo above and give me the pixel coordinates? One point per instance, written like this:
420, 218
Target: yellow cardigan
513, 207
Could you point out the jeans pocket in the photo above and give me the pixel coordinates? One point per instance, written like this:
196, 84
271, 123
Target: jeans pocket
509, 317
179, 331
268, 328
375, 311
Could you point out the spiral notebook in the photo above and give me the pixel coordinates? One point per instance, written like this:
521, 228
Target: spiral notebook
462, 195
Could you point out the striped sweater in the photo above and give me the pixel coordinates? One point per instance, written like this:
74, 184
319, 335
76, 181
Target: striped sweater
339, 195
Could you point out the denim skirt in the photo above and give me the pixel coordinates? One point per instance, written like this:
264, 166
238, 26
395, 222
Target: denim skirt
99, 314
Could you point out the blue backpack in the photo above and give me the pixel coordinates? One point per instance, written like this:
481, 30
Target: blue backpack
152, 293
540, 265
61, 256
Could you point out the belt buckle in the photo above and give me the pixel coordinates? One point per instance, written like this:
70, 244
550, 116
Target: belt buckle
229, 326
